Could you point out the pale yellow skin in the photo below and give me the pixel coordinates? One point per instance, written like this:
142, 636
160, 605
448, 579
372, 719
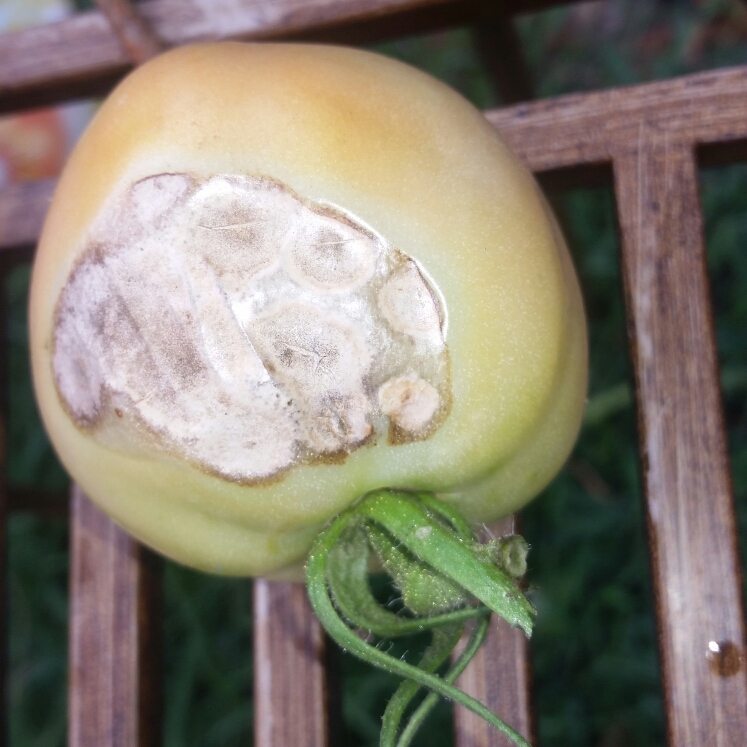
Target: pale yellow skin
410, 158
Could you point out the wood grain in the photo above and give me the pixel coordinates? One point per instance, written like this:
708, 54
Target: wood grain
114, 668
22, 210
500, 677
290, 703
649, 134
135, 36
115, 675
81, 56
691, 520
585, 129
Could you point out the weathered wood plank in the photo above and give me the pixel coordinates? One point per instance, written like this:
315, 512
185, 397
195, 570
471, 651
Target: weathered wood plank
691, 520
590, 128
290, 703
114, 672
22, 210
136, 38
81, 56
500, 677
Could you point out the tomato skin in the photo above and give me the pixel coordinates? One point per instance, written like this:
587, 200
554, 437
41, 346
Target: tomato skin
412, 160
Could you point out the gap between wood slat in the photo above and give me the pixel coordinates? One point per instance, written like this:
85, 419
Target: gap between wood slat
499, 48
722, 154
22, 210
690, 511
114, 667
38, 501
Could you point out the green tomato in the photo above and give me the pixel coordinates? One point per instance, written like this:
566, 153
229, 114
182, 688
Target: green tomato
274, 278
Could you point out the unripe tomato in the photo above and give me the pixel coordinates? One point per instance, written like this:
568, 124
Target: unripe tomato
274, 278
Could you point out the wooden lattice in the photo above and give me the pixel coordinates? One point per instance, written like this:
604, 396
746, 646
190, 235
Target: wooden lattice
649, 140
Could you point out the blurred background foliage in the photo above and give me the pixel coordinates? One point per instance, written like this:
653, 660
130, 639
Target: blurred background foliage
594, 650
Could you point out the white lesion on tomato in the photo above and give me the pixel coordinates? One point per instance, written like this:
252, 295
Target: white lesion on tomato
330, 255
409, 402
228, 322
409, 305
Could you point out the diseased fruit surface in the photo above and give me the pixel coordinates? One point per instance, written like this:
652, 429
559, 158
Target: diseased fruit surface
276, 277
241, 330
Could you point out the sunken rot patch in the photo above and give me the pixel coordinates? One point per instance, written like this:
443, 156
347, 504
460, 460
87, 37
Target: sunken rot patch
246, 330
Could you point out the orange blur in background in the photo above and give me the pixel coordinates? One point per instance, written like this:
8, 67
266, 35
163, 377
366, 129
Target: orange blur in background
33, 145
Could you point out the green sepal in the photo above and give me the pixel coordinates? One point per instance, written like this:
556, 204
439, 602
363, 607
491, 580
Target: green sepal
424, 590
411, 524
509, 553
321, 602
347, 577
432, 555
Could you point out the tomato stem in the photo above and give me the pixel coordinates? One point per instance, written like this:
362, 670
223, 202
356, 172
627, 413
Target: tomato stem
479, 633
446, 579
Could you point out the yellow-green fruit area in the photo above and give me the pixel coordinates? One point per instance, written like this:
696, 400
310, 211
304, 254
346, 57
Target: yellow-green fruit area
276, 277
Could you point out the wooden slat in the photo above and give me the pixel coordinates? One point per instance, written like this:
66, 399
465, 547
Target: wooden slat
591, 128
22, 210
290, 704
692, 526
500, 677
115, 680
136, 38
81, 56
114, 671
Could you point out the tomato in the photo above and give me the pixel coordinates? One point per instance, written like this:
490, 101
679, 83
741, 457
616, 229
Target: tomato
274, 278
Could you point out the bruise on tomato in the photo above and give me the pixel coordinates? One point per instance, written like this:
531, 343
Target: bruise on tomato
231, 323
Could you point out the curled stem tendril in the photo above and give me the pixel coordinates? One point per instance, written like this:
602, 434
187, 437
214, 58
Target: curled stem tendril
446, 578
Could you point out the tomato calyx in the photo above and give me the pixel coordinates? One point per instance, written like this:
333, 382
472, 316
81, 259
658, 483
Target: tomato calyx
446, 579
